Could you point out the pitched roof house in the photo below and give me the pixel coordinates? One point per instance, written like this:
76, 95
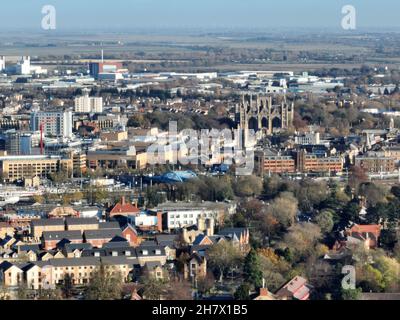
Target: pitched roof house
367, 234
295, 289
124, 208
97, 238
50, 239
130, 234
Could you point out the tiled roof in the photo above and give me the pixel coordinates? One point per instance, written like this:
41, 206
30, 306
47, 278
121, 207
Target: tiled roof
109, 225
47, 222
81, 221
59, 235
124, 208
370, 228
102, 234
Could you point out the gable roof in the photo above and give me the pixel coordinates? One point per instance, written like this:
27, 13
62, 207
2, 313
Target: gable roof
117, 240
28, 266
80, 221
102, 234
200, 249
6, 240
123, 207
103, 252
29, 247
234, 233
151, 251
47, 222
4, 266
109, 225
71, 247
200, 239
297, 288
60, 235
374, 229
129, 226
166, 238
148, 243
91, 261
199, 258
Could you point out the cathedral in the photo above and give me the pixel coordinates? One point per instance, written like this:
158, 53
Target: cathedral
263, 113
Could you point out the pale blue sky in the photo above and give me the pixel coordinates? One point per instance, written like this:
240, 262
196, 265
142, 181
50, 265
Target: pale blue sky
120, 14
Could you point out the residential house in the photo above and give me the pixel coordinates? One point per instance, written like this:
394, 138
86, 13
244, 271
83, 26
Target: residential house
366, 234
130, 234
169, 243
151, 253
195, 267
295, 289
7, 243
97, 238
25, 248
74, 250
6, 229
38, 226
81, 224
124, 208
50, 239
10, 274
33, 276
154, 269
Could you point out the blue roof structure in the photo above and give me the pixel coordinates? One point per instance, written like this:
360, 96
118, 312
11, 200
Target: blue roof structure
175, 177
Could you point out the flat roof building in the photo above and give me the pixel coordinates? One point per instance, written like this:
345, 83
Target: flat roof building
19, 167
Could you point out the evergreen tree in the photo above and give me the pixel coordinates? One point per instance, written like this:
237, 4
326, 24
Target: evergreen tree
252, 269
243, 292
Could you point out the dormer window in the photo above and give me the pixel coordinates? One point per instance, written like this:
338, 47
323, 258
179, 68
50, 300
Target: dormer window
115, 254
97, 254
127, 253
158, 251
145, 252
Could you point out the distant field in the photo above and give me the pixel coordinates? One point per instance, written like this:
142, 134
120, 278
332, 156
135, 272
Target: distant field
153, 48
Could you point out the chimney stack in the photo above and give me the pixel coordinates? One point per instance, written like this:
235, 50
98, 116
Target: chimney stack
159, 222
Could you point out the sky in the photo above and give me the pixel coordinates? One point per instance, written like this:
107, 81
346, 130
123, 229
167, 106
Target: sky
249, 14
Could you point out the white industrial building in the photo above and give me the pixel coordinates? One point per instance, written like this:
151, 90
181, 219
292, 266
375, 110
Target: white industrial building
22, 67
2, 63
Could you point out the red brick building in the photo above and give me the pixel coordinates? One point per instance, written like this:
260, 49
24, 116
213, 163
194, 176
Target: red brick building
50, 239
124, 208
97, 238
130, 234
